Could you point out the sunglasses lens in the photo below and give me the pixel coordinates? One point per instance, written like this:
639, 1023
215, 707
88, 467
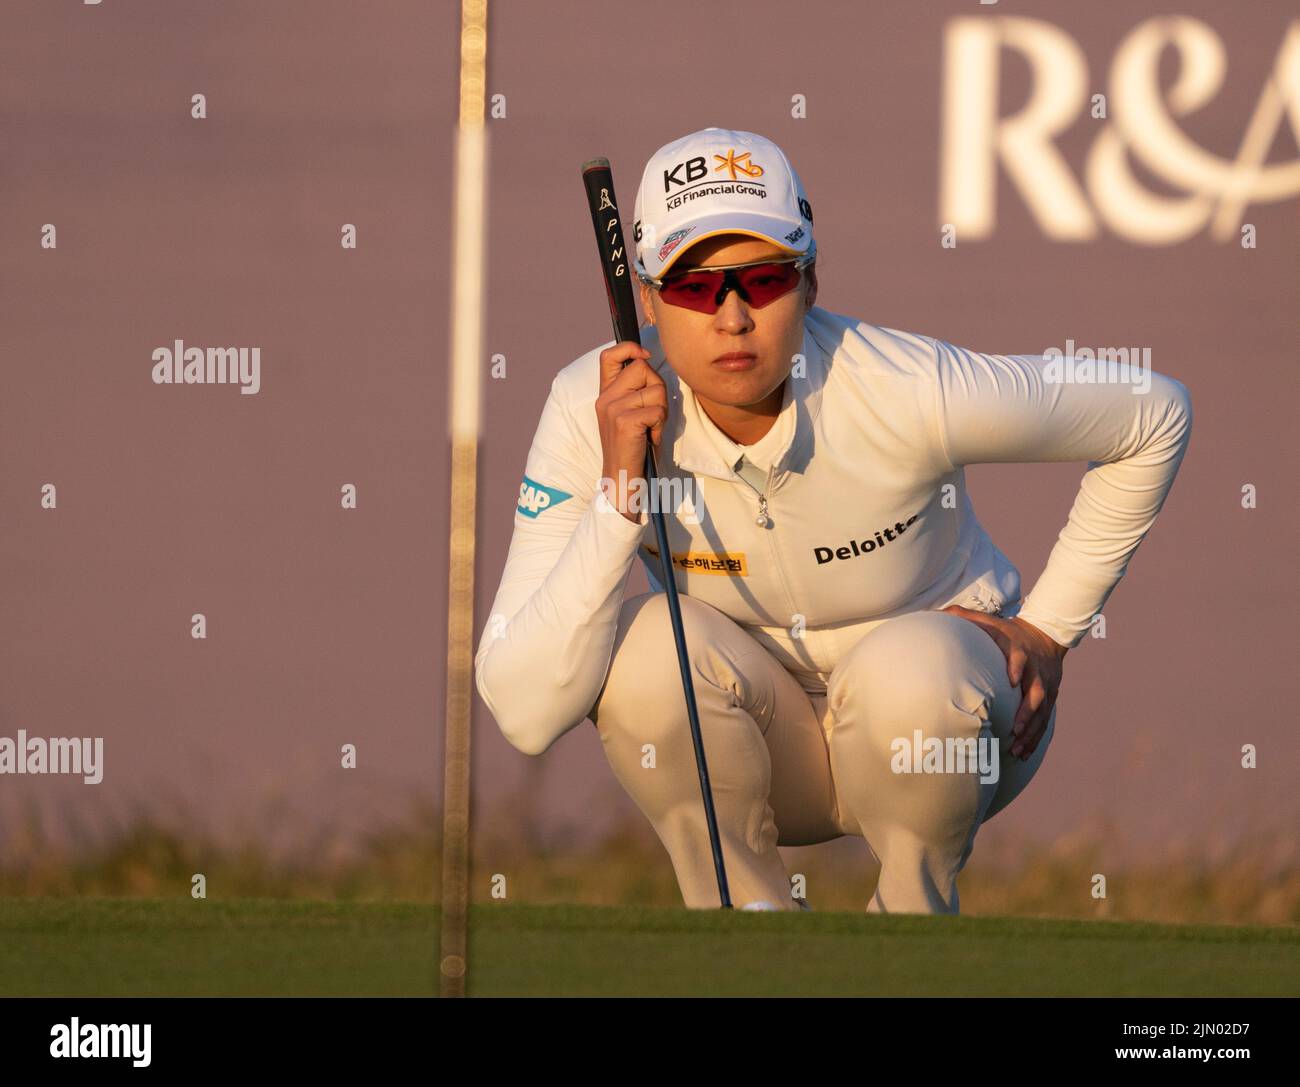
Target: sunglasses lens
766, 283
763, 283
692, 290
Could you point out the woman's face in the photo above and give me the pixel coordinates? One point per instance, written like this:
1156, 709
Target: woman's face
693, 341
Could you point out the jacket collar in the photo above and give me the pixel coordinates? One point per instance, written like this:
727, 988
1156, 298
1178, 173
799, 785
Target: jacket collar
684, 431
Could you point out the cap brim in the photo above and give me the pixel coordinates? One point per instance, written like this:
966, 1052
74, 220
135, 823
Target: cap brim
763, 227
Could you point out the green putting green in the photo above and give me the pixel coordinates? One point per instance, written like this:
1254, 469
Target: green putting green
182, 947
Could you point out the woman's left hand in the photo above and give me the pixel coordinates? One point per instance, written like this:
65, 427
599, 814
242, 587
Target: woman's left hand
1033, 665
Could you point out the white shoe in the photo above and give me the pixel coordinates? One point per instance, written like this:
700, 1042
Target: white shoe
761, 904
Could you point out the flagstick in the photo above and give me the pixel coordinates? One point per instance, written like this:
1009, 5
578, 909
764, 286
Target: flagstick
466, 352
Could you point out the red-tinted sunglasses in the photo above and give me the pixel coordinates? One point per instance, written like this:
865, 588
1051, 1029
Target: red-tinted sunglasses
757, 283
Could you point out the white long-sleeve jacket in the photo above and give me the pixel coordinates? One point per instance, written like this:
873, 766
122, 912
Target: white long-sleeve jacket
867, 511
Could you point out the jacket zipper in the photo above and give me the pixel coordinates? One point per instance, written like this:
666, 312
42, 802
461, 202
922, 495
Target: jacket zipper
763, 521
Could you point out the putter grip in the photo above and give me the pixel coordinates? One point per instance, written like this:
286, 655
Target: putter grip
598, 180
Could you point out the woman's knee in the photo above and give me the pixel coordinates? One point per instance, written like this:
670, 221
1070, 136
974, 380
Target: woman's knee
639, 651
644, 675
939, 673
920, 668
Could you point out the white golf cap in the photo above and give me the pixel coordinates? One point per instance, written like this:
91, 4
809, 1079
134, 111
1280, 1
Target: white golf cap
718, 181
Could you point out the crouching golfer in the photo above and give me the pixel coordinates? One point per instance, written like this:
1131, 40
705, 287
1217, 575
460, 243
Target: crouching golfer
862, 658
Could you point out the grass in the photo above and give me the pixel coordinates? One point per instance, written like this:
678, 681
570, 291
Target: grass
185, 947
343, 913
1254, 880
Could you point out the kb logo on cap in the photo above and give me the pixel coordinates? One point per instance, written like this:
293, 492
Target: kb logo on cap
695, 168
733, 162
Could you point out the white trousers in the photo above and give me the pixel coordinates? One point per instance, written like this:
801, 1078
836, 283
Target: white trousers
885, 753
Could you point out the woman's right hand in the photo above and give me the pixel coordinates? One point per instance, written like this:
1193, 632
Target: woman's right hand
632, 398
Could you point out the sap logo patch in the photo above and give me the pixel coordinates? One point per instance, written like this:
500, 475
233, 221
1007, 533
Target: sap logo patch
535, 497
